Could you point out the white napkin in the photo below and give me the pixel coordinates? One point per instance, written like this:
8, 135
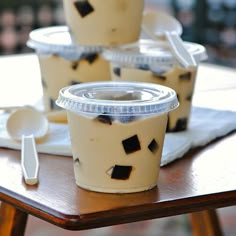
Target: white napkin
56, 142
205, 125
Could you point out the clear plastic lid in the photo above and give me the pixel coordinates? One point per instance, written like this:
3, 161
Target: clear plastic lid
118, 98
149, 52
57, 40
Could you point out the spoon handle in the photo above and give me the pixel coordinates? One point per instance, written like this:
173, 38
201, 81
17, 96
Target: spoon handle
179, 50
29, 160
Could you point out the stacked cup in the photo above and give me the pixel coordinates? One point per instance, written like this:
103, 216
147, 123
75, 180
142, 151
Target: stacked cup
72, 54
117, 133
106, 23
64, 63
117, 127
152, 61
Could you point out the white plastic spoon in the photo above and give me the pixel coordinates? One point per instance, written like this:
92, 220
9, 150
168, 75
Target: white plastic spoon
158, 25
28, 124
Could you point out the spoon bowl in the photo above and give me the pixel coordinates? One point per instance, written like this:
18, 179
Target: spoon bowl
26, 125
159, 25
27, 121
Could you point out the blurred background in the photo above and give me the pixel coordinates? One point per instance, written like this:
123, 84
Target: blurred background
208, 22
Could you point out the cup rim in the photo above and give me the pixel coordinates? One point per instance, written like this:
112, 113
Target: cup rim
146, 98
57, 40
149, 52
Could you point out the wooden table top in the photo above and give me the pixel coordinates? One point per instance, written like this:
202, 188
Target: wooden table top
205, 178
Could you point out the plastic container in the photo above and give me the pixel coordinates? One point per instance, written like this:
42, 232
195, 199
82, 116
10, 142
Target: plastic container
106, 23
63, 63
152, 61
117, 132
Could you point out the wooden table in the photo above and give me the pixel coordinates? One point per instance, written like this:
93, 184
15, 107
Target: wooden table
203, 180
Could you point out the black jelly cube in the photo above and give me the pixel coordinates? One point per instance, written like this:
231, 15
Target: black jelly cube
117, 71
185, 76
91, 57
52, 103
181, 124
189, 97
75, 65
131, 144
105, 119
153, 146
160, 77
177, 95
84, 8
73, 82
121, 172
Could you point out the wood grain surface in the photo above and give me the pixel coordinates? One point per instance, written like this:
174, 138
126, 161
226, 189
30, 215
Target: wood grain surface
203, 179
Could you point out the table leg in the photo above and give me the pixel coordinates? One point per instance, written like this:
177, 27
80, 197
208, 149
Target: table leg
205, 223
12, 220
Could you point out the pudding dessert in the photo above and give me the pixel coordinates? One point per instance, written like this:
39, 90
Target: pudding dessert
63, 63
117, 131
106, 23
152, 61
58, 72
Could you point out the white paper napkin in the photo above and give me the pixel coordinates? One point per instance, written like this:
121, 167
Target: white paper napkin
205, 125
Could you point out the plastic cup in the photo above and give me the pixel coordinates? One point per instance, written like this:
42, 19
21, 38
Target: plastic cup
63, 63
117, 131
152, 61
107, 22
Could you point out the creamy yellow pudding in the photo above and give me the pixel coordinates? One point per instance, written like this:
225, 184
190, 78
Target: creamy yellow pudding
117, 132
106, 22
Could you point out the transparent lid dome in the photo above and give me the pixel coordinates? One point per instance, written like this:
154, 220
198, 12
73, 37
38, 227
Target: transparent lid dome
57, 40
149, 52
117, 98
